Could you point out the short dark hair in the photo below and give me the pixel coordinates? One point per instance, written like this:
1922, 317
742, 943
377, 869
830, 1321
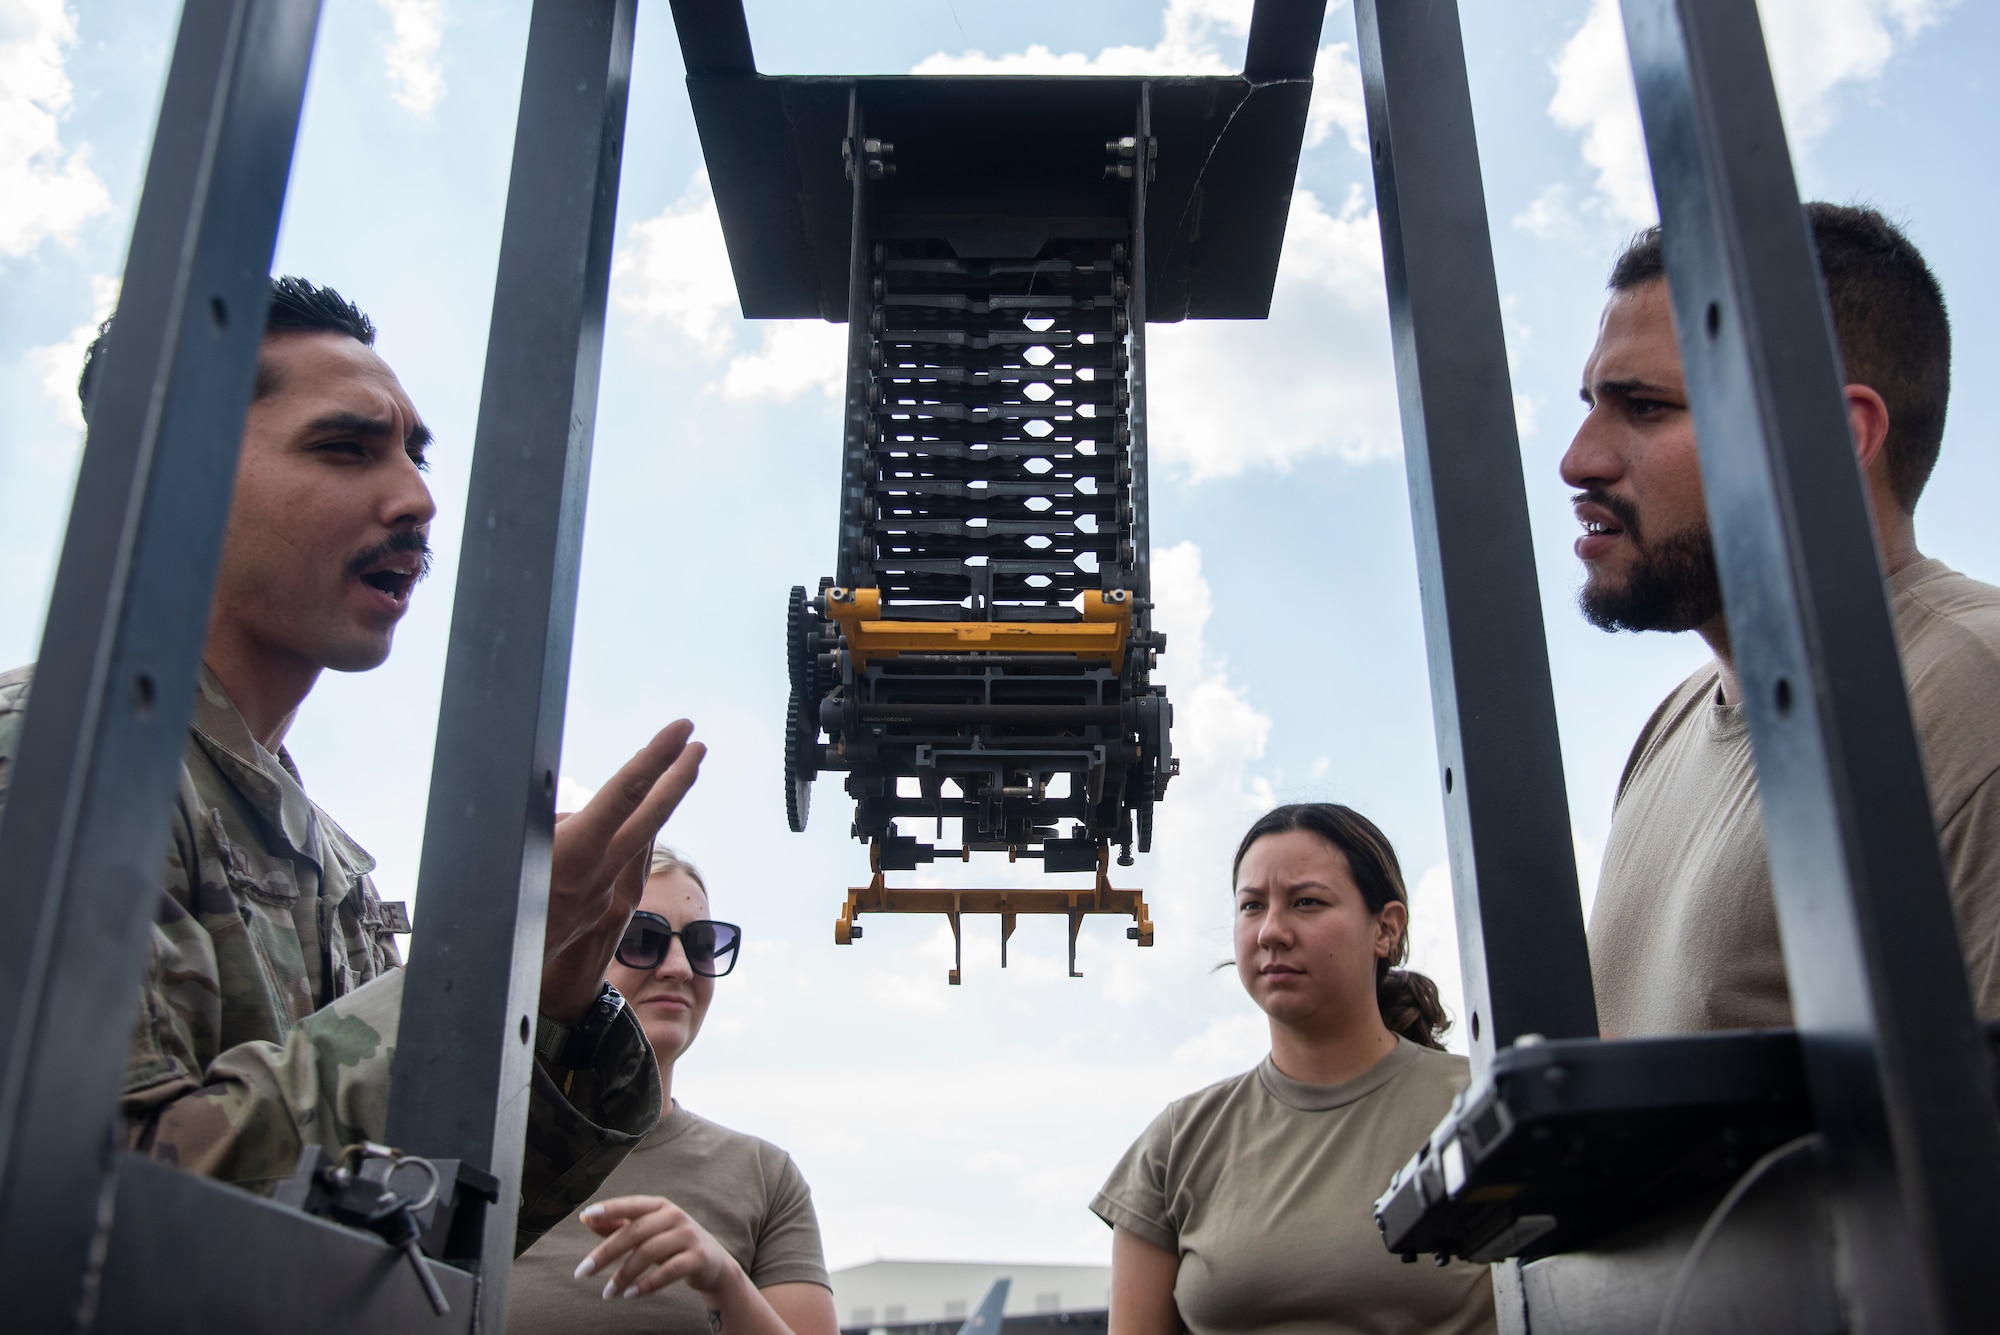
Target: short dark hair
297, 307
1408, 1000
1888, 316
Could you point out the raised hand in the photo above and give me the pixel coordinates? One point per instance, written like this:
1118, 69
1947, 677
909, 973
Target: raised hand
598, 866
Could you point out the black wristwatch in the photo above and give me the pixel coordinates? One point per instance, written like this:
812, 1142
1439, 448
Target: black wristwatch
574, 1047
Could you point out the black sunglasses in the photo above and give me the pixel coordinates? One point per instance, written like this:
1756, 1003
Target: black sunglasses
710, 946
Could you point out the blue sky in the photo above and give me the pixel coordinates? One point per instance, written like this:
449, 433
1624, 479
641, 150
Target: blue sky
972, 1122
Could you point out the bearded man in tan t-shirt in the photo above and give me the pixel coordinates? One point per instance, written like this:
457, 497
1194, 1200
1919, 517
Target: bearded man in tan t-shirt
1684, 932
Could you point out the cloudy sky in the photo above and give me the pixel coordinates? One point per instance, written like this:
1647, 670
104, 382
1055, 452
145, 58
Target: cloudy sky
972, 1122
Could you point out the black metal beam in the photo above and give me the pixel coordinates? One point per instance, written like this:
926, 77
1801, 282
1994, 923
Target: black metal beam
84, 838
851, 550
191, 1256
463, 1060
715, 37
1003, 145
1284, 39
1141, 415
1520, 918
1901, 1080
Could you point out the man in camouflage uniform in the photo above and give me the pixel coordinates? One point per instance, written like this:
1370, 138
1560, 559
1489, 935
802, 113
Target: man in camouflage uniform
269, 1008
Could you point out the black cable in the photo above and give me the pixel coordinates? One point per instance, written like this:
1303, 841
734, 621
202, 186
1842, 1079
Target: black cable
1719, 1216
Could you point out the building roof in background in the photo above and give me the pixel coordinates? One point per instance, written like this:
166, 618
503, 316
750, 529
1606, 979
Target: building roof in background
883, 1293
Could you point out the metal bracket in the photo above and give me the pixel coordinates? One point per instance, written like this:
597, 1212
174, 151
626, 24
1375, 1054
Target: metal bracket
1074, 903
450, 1224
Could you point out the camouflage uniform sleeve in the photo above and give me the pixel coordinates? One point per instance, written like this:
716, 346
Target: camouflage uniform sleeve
581, 1125
260, 1104
327, 1084
13, 710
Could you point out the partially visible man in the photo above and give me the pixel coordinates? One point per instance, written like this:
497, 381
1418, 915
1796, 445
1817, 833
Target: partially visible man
1684, 932
271, 999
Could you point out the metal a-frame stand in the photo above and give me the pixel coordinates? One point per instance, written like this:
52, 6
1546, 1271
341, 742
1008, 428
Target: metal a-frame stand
92, 1238
1665, 1185
1881, 1222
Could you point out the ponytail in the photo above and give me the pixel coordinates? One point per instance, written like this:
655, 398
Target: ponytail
1410, 1005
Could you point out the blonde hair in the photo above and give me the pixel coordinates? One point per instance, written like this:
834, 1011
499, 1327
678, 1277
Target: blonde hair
667, 861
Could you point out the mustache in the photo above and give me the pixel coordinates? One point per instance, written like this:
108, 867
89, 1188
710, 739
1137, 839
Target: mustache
1626, 513
396, 544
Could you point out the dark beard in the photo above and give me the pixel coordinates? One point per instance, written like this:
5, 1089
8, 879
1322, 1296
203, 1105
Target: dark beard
1673, 585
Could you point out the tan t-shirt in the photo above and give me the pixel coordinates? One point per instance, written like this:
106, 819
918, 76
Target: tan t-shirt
1684, 932
746, 1192
1266, 1189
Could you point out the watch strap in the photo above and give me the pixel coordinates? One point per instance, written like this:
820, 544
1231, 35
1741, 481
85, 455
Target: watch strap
572, 1047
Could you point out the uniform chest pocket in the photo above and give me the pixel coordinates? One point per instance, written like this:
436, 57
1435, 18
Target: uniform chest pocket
252, 874
249, 897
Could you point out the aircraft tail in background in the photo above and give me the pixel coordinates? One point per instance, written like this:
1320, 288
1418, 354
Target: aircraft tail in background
986, 1318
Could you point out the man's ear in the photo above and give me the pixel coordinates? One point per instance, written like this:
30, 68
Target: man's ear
1868, 418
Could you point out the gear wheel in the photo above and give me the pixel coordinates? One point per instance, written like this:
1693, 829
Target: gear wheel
800, 622
1146, 828
800, 737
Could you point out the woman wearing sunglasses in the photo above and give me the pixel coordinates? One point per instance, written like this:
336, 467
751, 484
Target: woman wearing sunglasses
701, 1228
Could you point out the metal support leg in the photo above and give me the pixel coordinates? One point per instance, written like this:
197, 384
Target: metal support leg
1141, 494
1520, 918
463, 1061
1900, 1080
851, 560
84, 836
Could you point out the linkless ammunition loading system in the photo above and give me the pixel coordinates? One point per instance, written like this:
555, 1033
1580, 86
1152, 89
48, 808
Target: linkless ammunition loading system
983, 651
997, 247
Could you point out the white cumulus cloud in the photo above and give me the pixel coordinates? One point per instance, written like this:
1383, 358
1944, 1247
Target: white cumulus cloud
46, 192
793, 357
1315, 378
411, 55
1336, 98
572, 795
1819, 45
1190, 33
673, 271
1187, 45
1594, 97
1219, 735
1434, 947
1816, 46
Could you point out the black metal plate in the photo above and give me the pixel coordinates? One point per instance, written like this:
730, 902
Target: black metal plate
1229, 150
169, 1269
1563, 1141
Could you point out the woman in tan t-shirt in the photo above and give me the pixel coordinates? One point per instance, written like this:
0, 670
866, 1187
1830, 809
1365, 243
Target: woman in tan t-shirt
701, 1228
1249, 1206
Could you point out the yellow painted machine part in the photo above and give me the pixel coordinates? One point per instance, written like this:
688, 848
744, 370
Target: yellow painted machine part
1101, 635
1074, 903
